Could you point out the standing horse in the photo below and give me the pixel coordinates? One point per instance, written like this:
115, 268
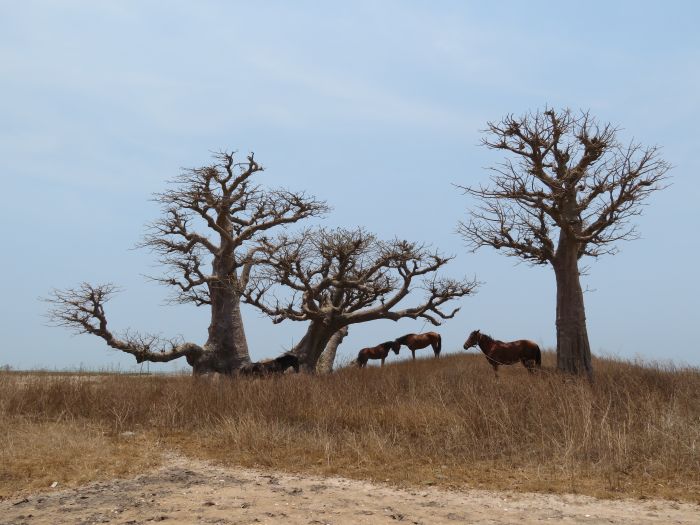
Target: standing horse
417, 341
500, 353
376, 352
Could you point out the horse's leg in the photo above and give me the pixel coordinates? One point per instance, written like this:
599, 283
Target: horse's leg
413, 353
530, 365
495, 369
383, 358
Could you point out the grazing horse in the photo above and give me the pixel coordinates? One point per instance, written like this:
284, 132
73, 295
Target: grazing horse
500, 353
417, 341
274, 366
376, 352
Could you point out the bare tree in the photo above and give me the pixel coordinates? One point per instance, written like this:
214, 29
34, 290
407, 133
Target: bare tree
567, 191
336, 278
212, 218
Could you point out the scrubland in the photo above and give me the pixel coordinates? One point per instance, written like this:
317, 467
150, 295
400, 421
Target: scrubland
634, 432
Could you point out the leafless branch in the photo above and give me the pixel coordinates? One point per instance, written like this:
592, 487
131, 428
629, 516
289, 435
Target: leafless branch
82, 310
341, 277
567, 173
209, 216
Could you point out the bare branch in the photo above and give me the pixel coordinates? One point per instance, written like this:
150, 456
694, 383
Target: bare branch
568, 174
214, 216
341, 277
82, 310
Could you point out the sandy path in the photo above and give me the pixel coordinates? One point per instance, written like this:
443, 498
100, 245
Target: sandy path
186, 491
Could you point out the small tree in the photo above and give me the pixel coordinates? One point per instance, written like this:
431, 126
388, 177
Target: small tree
568, 191
212, 218
336, 278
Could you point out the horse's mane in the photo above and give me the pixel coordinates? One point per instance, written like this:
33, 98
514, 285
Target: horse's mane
403, 338
387, 343
487, 337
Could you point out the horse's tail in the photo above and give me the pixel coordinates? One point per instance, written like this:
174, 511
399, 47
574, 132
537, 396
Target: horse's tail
538, 356
439, 344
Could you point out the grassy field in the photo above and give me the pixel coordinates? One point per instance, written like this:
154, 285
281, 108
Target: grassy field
447, 422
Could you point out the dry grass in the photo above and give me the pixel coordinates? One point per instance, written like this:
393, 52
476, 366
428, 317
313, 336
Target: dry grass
447, 422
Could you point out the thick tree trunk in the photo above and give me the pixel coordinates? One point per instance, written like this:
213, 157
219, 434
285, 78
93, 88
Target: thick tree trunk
239, 339
309, 349
573, 348
226, 348
325, 362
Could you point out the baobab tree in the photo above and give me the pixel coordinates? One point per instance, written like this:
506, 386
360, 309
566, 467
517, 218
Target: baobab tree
212, 218
567, 190
327, 359
336, 278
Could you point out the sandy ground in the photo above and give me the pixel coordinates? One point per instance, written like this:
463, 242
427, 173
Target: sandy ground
187, 491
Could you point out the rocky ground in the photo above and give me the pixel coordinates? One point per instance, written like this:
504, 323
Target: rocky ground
191, 492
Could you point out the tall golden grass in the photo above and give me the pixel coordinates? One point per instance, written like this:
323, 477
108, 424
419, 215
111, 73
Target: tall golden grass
447, 422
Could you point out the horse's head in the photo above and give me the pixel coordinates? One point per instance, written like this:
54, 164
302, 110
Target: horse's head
396, 346
472, 340
390, 345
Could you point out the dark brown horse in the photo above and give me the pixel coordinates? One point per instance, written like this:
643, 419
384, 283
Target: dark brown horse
417, 341
273, 366
499, 353
376, 352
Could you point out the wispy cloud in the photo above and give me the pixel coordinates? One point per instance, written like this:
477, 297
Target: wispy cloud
333, 94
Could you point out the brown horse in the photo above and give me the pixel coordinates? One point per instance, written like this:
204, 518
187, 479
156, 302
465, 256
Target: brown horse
500, 353
376, 352
417, 341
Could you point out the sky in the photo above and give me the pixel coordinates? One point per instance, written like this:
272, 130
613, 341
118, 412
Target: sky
376, 107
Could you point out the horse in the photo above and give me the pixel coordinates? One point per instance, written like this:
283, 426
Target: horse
417, 341
279, 365
376, 352
500, 353
252, 369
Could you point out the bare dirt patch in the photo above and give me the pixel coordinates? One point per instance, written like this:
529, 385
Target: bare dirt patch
190, 491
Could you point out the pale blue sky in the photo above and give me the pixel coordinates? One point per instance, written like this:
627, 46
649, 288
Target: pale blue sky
374, 106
